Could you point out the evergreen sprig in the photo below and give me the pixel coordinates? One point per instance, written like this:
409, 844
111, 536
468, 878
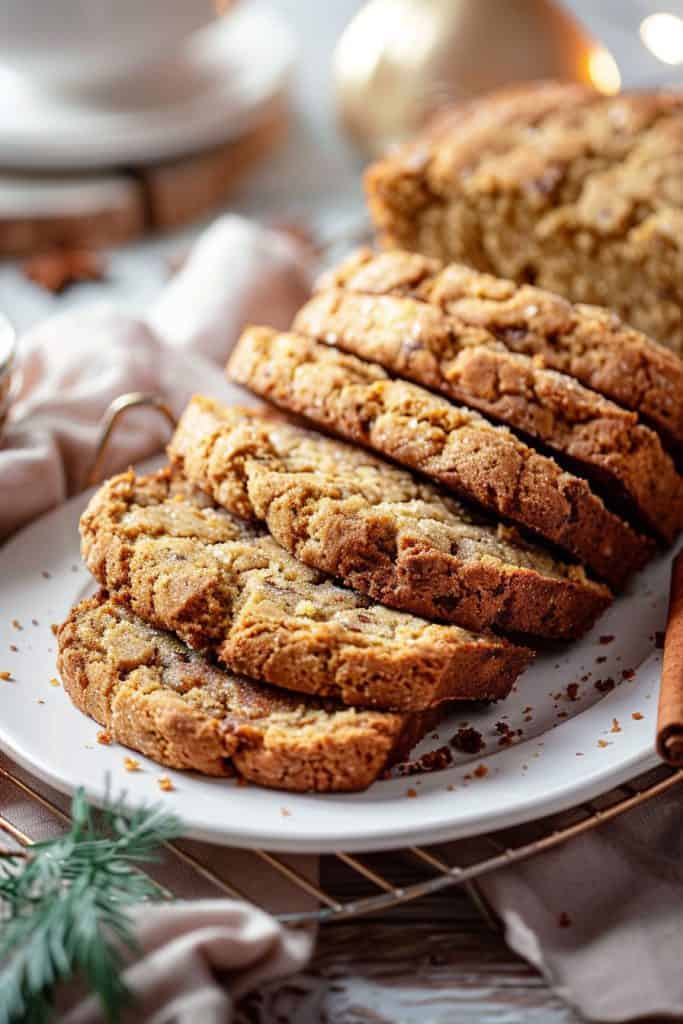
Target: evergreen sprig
65, 908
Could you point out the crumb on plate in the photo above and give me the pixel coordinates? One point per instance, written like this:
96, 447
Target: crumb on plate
468, 741
604, 685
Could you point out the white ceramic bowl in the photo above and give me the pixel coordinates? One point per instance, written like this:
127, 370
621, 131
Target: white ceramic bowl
83, 43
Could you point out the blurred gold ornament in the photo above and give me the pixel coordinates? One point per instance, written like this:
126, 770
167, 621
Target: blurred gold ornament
399, 60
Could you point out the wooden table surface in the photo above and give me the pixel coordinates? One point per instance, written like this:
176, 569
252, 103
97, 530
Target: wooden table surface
433, 961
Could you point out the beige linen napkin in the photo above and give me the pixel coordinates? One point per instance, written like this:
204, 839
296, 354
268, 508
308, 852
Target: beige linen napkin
75, 364
235, 275
184, 946
602, 916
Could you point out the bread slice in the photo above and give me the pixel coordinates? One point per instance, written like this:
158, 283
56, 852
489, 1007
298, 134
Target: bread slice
175, 705
381, 530
554, 185
586, 342
181, 563
596, 438
455, 446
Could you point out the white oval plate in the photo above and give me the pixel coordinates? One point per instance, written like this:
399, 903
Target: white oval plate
228, 73
568, 750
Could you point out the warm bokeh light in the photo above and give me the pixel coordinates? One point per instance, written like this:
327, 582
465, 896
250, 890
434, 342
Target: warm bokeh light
663, 36
603, 71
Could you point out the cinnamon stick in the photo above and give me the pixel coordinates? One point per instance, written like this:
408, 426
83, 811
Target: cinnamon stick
670, 718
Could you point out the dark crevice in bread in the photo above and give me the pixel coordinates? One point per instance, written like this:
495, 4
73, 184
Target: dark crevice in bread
183, 564
454, 446
383, 531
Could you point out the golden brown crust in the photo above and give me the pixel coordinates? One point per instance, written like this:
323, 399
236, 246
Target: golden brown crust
453, 445
587, 203
467, 362
172, 704
585, 342
381, 530
183, 564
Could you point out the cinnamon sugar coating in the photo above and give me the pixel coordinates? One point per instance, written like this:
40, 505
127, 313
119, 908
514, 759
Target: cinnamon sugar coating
157, 696
376, 307
453, 445
553, 185
382, 530
181, 563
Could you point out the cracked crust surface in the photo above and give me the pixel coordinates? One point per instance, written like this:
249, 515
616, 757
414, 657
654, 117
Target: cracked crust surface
464, 361
386, 533
585, 342
453, 445
555, 185
155, 695
183, 564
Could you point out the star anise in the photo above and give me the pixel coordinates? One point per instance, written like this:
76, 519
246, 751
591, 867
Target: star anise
56, 269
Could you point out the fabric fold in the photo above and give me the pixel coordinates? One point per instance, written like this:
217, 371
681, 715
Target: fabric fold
74, 364
197, 958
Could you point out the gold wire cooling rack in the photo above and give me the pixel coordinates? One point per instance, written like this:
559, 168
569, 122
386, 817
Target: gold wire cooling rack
433, 868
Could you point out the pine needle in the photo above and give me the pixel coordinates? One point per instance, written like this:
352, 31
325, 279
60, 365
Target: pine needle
65, 908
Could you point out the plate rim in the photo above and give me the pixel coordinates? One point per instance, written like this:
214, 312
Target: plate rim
569, 793
564, 800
